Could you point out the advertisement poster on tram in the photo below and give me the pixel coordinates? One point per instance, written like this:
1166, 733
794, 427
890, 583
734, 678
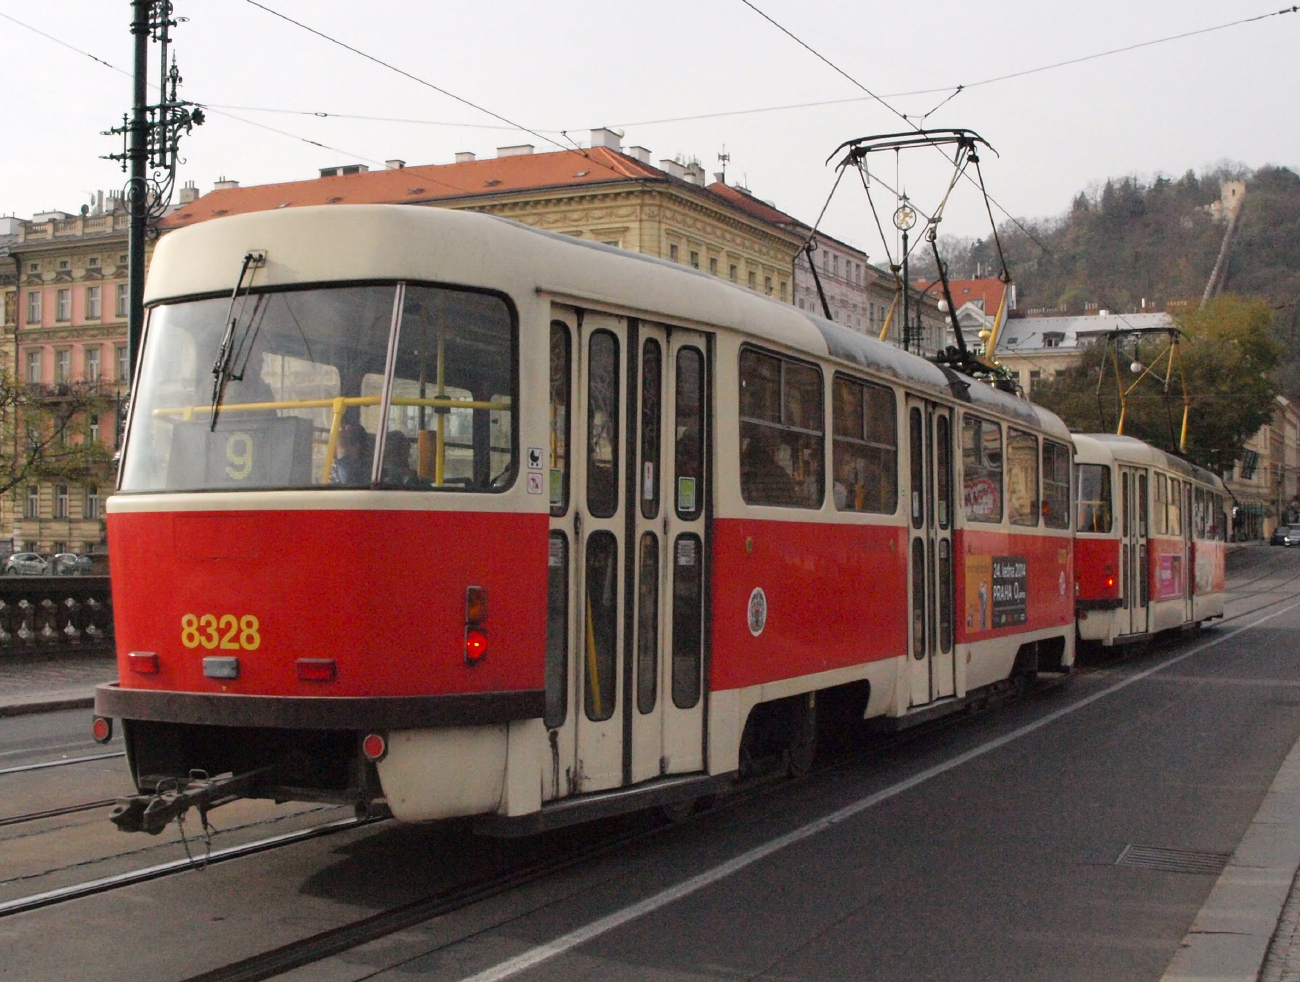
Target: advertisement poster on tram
997, 592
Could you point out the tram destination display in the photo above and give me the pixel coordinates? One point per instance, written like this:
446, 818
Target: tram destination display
265, 452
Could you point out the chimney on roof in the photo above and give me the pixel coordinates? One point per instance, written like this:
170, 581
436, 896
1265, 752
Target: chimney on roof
188, 193
695, 173
223, 185
639, 153
719, 177
465, 157
609, 139
673, 167
394, 164
519, 150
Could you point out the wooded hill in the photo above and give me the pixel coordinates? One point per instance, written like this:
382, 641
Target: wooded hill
1130, 240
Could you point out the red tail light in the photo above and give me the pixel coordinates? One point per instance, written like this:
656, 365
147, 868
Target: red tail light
101, 728
143, 662
476, 611
1110, 581
475, 645
316, 670
374, 746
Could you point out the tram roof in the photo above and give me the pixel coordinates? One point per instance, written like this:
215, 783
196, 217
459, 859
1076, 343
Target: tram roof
350, 243
1108, 447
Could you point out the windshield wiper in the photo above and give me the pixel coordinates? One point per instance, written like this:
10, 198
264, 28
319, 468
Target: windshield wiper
221, 373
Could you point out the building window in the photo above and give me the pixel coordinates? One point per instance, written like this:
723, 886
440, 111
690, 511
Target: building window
122, 259
801, 303
713, 265
92, 501
33, 507
33, 307
695, 259
753, 281
1053, 339
92, 364
33, 267
732, 272
94, 429
123, 296
835, 267
93, 304
63, 364
783, 290
63, 305
34, 367
826, 260
63, 264
57, 547
61, 502
92, 262
672, 253
767, 285
122, 375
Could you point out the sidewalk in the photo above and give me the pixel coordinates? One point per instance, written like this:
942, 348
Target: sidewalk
49, 685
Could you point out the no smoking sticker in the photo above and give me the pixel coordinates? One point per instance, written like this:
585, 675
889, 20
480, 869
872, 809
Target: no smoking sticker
534, 483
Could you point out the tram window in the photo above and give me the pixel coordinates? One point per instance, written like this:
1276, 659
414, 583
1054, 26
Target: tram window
943, 457
916, 460
945, 595
1094, 498
1220, 519
689, 429
1056, 485
602, 424
687, 621
1199, 512
1022, 477
601, 626
647, 625
451, 422
557, 632
781, 432
294, 352
561, 374
652, 388
1159, 515
1142, 506
981, 453
864, 446
1175, 507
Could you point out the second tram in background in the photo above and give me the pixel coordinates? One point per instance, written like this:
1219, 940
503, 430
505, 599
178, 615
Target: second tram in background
1150, 542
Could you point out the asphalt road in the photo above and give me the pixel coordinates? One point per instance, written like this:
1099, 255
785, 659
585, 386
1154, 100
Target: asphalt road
986, 849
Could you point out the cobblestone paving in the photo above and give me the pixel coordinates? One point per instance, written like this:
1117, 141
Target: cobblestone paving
37, 678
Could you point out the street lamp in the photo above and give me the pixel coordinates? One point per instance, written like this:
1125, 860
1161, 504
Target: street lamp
904, 219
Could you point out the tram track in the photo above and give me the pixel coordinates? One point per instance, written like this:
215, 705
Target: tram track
62, 762
55, 812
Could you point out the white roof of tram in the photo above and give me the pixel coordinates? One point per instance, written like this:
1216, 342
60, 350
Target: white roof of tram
1106, 448
351, 243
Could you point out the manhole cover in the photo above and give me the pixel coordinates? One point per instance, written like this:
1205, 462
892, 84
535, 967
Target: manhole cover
1172, 860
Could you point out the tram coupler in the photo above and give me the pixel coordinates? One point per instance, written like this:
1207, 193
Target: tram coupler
154, 812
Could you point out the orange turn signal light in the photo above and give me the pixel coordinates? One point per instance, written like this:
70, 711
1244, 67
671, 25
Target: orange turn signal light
475, 605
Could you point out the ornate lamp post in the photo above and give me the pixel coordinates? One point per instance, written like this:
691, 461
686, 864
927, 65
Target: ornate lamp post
904, 219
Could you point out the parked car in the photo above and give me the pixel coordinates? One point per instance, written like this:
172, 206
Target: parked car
1278, 538
70, 564
26, 564
1292, 536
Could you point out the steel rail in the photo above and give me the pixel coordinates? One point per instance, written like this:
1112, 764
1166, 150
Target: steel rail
56, 812
104, 884
61, 763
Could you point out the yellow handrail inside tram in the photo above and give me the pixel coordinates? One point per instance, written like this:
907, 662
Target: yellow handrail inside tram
338, 405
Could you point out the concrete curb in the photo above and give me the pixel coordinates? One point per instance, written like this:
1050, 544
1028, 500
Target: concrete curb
1230, 937
48, 706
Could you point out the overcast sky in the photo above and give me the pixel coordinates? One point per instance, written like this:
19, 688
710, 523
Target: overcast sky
562, 65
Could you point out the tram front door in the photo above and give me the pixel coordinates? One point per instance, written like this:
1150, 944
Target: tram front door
629, 546
1133, 546
930, 551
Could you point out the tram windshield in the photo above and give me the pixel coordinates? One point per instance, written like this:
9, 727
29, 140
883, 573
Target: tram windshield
1094, 498
304, 400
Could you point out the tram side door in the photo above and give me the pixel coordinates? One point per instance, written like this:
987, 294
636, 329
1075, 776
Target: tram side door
1136, 584
930, 551
669, 485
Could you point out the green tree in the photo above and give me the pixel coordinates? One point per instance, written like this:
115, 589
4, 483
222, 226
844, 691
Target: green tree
1225, 353
45, 432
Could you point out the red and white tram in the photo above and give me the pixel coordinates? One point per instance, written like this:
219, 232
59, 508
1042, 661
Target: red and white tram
1150, 540
432, 507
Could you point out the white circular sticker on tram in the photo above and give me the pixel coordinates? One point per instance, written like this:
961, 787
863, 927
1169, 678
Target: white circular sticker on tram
757, 611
